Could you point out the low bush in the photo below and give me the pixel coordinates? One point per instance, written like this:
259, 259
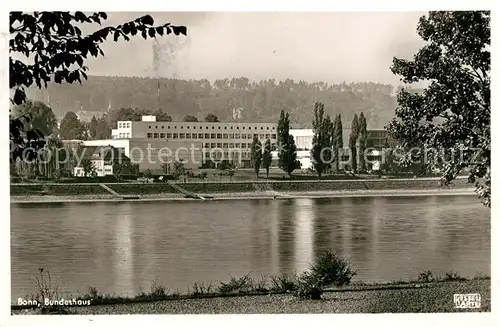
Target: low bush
426, 276
332, 270
480, 276
308, 287
327, 270
283, 284
453, 276
236, 285
158, 289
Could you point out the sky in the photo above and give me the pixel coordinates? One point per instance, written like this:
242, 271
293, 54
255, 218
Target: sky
313, 46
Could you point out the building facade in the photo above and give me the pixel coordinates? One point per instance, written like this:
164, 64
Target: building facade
219, 141
102, 158
156, 155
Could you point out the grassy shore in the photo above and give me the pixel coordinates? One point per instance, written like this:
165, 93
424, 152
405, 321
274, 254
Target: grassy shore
267, 189
326, 286
237, 196
375, 298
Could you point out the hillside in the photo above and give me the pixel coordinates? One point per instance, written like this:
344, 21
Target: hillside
259, 101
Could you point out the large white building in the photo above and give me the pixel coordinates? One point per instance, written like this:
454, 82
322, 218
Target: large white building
218, 140
196, 143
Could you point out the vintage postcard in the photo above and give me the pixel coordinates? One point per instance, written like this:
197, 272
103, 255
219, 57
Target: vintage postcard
250, 162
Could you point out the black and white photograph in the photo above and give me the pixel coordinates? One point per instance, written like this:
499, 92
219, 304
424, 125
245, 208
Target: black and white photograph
249, 162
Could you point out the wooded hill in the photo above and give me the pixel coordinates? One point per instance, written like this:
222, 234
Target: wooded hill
258, 101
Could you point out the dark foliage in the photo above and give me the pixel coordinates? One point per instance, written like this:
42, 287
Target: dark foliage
211, 118
287, 150
256, 155
267, 157
453, 113
322, 140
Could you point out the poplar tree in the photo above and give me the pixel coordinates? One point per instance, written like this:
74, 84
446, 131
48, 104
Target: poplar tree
352, 141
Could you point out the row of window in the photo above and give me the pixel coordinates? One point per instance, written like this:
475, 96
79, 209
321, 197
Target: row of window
123, 125
232, 146
381, 134
124, 135
227, 155
184, 136
213, 127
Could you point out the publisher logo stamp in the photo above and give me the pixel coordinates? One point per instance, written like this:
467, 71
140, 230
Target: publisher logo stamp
467, 301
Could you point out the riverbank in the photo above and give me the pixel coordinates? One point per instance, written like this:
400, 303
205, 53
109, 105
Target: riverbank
410, 298
141, 189
238, 196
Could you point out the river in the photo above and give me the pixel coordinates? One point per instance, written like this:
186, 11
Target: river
121, 248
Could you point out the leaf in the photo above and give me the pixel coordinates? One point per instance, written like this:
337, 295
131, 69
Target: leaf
19, 96
79, 60
79, 16
179, 30
93, 51
147, 20
117, 35
103, 33
144, 34
159, 30
151, 32
133, 29
31, 135
126, 28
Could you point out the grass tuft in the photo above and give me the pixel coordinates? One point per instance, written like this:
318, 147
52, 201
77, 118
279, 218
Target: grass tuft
283, 284
236, 285
200, 289
45, 289
260, 285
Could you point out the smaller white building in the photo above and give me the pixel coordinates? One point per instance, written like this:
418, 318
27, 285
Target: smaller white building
101, 158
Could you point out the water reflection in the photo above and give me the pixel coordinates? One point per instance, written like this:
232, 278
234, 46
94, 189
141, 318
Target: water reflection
122, 247
286, 242
304, 230
122, 244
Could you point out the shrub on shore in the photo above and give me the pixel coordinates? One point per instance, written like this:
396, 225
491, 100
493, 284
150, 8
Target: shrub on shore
426, 276
332, 270
453, 276
327, 270
308, 286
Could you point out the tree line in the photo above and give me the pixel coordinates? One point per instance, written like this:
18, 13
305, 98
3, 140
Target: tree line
260, 101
